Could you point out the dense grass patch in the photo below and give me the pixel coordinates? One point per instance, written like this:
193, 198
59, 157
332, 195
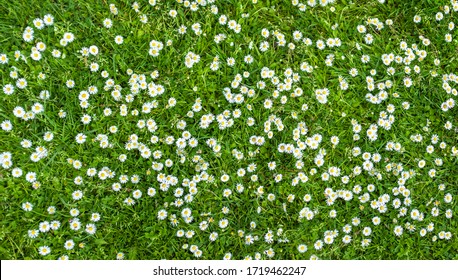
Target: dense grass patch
228, 129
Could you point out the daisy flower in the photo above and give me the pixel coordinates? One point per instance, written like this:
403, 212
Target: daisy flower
44, 250
48, 20
27, 206
107, 23
119, 40
77, 195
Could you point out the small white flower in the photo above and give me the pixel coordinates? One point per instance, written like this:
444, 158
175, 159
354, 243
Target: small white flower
44, 250
77, 195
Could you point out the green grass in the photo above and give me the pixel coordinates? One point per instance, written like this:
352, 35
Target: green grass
135, 230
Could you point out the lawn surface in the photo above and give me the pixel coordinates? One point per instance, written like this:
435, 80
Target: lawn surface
225, 129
